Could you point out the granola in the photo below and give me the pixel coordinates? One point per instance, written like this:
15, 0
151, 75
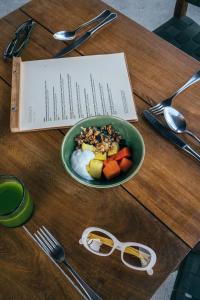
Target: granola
102, 138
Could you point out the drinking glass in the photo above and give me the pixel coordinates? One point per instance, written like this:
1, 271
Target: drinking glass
16, 206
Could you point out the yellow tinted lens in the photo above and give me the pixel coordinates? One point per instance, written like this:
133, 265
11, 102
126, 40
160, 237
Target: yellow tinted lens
137, 256
99, 242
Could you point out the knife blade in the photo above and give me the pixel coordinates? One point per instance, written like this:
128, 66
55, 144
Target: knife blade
85, 36
170, 135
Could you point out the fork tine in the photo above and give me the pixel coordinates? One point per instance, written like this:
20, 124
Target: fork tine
156, 108
51, 241
45, 241
40, 242
51, 236
159, 111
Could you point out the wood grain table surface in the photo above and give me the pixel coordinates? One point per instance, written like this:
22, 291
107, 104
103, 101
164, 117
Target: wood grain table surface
159, 207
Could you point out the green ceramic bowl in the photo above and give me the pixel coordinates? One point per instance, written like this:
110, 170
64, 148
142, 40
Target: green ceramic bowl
128, 132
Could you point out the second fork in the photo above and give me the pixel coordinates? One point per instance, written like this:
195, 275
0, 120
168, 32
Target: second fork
159, 108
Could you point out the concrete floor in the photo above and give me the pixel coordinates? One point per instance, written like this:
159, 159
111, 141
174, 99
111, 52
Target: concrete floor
6, 6
150, 14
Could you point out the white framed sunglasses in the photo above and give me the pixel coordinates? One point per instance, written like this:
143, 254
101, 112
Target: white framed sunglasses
134, 255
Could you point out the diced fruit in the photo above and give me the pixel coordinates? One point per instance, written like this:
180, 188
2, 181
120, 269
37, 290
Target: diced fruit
114, 149
111, 170
88, 168
100, 156
95, 168
87, 147
125, 164
109, 159
124, 152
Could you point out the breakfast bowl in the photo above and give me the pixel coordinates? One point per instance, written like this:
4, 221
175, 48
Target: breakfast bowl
132, 141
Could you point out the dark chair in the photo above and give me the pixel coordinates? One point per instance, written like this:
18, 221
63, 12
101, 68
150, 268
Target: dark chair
182, 31
187, 284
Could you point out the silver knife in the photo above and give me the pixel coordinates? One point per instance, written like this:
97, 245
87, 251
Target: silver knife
85, 36
170, 135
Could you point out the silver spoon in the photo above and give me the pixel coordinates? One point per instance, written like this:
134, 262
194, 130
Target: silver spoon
70, 35
176, 121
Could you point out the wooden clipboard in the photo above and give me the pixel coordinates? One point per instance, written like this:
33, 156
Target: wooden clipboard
24, 105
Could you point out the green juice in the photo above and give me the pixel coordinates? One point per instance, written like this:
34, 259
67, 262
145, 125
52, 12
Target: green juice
16, 205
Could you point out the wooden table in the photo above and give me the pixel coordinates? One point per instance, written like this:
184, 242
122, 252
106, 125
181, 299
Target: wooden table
159, 207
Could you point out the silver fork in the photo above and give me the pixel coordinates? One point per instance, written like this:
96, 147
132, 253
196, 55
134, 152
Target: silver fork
159, 108
53, 248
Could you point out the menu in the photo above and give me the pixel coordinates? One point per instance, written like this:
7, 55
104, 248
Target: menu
59, 92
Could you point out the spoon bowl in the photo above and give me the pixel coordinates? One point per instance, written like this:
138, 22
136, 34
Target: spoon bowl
176, 121
71, 35
64, 35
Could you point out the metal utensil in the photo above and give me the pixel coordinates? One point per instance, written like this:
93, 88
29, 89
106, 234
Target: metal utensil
85, 36
170, 135
159, 108
176, 121
70, 35
56, 264
53, 248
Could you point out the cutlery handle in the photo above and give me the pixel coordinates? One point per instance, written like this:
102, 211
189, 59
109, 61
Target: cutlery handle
193, 153
55, 263
195, 78
193, 135
88, 291
107, 20
102, 15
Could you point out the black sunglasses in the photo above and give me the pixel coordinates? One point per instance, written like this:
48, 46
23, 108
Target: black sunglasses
20, 40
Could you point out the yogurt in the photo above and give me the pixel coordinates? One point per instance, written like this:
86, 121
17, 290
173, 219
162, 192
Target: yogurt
79, 160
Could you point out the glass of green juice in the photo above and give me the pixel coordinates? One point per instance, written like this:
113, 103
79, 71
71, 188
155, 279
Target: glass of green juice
16, 206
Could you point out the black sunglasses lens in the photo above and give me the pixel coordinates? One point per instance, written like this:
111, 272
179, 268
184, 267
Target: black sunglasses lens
9, 50
22, 35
